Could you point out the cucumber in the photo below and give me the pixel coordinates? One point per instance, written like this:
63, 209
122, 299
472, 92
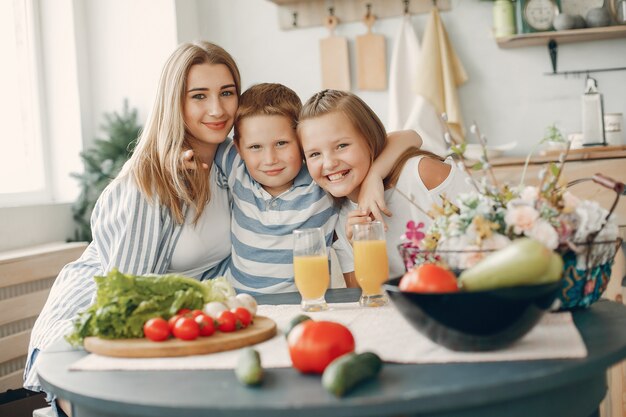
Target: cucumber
349, 370
294, 322
249, 370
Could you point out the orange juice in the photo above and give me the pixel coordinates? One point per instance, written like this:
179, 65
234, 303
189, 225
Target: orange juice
370, 265
311, 275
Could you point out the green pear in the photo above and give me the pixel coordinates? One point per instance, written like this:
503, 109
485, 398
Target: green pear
523, 262
554, 271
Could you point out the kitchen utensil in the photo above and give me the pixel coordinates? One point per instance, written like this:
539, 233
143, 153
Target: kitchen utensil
263, 328
474, 321
371, 58
334, 58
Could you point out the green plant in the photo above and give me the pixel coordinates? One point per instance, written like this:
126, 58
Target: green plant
103, 162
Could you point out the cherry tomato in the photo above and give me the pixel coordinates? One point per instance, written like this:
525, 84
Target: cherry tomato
186, 328
206, 324
429, 278
227, 321
183, 311
172, 321
243, 315
156, 329
195, 313
315, 344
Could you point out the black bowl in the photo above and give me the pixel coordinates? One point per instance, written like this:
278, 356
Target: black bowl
478, 320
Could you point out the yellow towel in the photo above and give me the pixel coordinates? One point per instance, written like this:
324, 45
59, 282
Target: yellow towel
440, 72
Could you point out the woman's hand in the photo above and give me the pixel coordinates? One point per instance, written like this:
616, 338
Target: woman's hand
372, 197
189, 161
356, 217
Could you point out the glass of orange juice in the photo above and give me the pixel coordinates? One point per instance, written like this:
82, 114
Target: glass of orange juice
371, 266
310, 267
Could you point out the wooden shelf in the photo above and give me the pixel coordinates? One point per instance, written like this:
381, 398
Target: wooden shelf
563, 36
298, 14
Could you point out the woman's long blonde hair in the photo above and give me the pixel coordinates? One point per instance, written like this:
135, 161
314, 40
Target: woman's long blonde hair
364, 120
156, 163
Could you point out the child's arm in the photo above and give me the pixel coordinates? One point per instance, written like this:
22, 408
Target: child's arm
372, 194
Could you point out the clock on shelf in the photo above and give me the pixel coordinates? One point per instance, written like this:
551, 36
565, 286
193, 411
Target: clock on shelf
538, 15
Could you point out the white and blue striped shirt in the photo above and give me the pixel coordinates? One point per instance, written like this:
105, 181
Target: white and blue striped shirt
262, 225
130, 234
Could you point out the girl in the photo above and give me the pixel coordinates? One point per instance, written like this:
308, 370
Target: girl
341, 136
157, 217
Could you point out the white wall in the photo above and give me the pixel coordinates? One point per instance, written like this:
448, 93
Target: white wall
507, 93
122, 44
127, 43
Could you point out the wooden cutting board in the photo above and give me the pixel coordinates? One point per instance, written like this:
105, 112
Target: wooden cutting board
334, 59
371, 59
262, 329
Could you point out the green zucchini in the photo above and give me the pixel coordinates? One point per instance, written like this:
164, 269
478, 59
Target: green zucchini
349, 370
294, 322
249, 370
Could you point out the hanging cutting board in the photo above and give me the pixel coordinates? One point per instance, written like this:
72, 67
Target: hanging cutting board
262, 329
334, 59
371, 58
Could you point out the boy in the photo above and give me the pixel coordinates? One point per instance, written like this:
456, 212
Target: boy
273, 193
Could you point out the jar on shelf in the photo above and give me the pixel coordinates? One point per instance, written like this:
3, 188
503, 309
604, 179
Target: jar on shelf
504, 18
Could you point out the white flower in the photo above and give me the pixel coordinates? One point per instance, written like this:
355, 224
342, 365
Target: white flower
529, 195
522, 218
544, 233
570, 202
496, 242
590, 219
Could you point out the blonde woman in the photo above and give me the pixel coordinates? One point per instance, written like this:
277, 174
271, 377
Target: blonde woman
156, 216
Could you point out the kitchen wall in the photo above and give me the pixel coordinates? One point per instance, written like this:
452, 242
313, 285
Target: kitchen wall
121, 46
507, 93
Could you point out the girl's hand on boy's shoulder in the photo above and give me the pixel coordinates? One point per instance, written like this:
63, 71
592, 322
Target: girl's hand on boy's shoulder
372, 198
356, 217
190, 162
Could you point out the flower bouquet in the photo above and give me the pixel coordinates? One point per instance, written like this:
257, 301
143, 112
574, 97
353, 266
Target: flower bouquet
492, 214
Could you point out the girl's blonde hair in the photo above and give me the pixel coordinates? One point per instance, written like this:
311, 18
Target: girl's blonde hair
156, 163
364, 120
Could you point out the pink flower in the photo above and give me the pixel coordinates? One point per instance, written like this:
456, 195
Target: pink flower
522, 218
413, 232
544, 233
471, 256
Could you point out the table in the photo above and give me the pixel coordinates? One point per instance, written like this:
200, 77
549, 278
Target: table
554, 388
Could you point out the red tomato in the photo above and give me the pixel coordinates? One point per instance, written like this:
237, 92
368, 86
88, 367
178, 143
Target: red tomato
172, 321
227, 321
186, 328
183, 311
429, 278
243, 315
156, 329
195, 313
315, 344
206, 324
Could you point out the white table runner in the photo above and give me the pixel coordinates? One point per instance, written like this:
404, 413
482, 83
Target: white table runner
380, 330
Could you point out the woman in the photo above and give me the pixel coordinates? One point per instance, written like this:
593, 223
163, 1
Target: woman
341, 136
157, 217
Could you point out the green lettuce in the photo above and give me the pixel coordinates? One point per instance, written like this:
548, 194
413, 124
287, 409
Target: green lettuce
125, 302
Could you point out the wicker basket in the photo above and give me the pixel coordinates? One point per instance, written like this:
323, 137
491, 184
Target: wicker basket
582, 284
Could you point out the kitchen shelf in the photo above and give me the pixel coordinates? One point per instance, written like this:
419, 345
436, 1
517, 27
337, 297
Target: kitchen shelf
562, 36
298, 14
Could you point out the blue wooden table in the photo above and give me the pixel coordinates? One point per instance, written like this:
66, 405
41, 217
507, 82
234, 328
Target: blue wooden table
553, 388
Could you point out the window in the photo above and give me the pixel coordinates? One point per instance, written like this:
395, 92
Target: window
23, 168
